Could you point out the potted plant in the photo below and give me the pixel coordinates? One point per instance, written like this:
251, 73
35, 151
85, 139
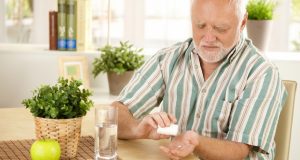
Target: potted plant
58, 112
260, 15
119, 63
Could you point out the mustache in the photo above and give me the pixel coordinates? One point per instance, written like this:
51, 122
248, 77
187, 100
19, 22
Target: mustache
214, 44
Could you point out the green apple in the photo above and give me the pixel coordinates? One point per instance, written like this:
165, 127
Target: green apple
46, 149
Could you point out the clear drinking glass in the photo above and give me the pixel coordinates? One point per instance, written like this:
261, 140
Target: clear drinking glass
106, 126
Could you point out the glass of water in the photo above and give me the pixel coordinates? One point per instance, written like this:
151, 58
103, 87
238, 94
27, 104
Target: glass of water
106, 120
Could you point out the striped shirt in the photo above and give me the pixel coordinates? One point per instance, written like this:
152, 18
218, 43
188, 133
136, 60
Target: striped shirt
240, 101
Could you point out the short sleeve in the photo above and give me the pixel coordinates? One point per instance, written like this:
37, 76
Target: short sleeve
256, 112
145, 89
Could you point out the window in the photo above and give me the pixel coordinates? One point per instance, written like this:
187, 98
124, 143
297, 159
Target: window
100, 21
18, 20
166, 22
145, 23
295, 26
155, 24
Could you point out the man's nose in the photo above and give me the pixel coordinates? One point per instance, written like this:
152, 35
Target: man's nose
209, 36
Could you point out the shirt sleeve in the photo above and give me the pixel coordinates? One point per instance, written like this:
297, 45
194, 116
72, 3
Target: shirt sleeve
255, 113
145, 89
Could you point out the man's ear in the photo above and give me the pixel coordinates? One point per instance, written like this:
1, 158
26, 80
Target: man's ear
244, 22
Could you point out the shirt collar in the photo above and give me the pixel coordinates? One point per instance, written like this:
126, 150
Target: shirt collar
237, 49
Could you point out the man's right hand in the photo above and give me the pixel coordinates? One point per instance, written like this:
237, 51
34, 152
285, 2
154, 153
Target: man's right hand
147, 127
131, 128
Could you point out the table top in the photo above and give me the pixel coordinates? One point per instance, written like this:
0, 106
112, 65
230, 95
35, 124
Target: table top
18, 123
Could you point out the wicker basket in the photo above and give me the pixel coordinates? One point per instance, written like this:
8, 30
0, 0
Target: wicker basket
65, 131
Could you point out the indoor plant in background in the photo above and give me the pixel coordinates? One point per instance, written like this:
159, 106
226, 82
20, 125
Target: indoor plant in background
259, 25
119, 63
58, 112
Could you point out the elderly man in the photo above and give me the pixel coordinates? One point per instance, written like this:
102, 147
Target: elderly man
225, 96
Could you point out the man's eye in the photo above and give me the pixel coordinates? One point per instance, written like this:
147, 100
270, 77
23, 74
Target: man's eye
220, 30
200, 26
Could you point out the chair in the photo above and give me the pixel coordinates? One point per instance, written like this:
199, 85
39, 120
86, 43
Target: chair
284, 127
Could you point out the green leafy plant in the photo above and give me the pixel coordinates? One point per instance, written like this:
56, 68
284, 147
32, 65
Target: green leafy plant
260, 9
296, 45
118, 59
64, 100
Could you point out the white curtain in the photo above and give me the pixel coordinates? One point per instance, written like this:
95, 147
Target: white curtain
166, 22
39, 33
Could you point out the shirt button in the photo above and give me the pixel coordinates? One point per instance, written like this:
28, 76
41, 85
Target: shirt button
198, 115
203, 90
196, 66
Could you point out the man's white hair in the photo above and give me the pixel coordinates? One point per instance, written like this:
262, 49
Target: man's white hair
240, 7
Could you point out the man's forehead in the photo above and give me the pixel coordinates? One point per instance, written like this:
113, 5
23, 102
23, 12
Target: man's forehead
216, 23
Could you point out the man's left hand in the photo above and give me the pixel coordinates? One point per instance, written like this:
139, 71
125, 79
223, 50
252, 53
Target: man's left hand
182, 145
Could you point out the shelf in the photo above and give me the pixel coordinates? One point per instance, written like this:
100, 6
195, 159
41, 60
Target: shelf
38, 49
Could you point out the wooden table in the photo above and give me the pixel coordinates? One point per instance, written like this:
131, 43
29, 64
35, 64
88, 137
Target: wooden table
17, 123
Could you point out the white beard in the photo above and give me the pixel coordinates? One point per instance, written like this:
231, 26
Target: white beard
212, 57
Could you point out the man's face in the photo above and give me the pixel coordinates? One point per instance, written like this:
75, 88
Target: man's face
216, 28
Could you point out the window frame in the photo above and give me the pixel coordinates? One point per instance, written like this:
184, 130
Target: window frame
279, 41
2, 19
134, 22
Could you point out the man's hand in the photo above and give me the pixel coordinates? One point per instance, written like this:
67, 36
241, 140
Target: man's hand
147, 127
131, 128
205, 147
181, 146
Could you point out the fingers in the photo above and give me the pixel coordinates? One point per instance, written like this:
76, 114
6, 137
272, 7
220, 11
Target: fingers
147, 128
182, 150
156, 136
163, 119
181, 146
172, 118
162, 136
177, 152
151, 121
168, 152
